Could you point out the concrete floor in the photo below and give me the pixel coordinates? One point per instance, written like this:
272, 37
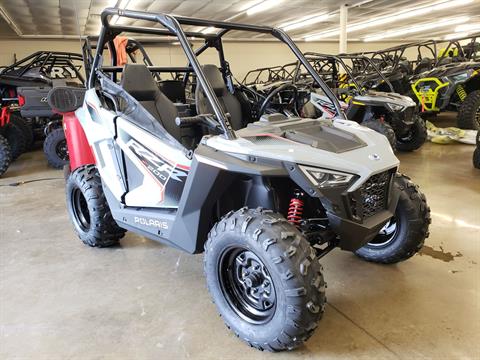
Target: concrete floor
62, 300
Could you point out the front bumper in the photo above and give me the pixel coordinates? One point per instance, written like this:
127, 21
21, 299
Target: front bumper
357, 216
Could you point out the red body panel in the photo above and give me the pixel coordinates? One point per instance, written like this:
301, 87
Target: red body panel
4, 115
78, 149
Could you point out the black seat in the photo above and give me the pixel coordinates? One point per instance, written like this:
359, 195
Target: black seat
228, 101
424, 65
174, 90
139, 83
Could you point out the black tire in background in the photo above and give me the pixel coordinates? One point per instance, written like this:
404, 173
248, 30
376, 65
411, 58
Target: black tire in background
468, 116
476, 158
403, 236
416, 137
5, 155
383, 128
55, 148
88, 209
16, 139
265, 279
26, 128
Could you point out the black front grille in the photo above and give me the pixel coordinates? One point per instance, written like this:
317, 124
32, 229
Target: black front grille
372, 197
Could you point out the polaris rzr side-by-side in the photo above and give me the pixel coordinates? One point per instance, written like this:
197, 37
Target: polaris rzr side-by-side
438, 80
24, 86
385, 111
264, 200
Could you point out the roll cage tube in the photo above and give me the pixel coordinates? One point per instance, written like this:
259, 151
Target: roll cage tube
173, 27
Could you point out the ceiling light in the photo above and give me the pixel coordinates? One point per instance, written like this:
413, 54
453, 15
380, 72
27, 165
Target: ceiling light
390, 18
209, 30
263, 6
123, 5
467, 27
302, 22
417, 28
456, 35
10, 22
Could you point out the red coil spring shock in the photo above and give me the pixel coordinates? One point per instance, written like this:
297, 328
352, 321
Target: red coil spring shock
295, 210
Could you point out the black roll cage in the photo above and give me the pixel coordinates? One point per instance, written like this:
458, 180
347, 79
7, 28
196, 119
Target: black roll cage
173, 27
44, 60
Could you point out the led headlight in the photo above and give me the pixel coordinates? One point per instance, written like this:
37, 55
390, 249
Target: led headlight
395, 107
462, 76
326, 178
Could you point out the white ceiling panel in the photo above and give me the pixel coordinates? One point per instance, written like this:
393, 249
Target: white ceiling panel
69, 18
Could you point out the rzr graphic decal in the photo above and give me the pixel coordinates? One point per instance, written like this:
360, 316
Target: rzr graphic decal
170, 177
160, 169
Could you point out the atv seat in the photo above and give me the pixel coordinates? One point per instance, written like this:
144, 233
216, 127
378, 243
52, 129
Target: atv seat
174, 90
139, 83
424, 65
228, 101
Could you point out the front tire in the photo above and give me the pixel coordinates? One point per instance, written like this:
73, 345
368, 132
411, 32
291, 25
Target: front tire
416, 137
403, 236
55, 148
468, 116
89, 210
265, 279
383, 128
16, 139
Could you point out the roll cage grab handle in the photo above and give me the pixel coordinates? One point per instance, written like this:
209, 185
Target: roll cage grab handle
172, 24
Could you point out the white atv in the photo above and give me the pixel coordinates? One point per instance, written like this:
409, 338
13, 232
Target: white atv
264, 201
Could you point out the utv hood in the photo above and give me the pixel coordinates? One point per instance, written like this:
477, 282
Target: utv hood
449, 70
329, 144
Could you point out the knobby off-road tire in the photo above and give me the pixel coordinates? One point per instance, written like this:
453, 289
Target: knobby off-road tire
55, 148
476, 158
383, 128
468, 116
89, 210
403, 236
415, 138
16, 138
261, 250
5, 155
26, 128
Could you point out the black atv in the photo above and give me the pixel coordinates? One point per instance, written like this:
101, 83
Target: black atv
24, 86
436, 80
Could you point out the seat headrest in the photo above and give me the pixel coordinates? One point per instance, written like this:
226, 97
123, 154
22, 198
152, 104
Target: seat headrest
215, 78
138, 82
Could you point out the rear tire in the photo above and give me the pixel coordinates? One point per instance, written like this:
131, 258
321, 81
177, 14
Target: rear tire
468, 116
16, 139
5, 155
89, 210
383, 128
415, 138
265, 279
55, 148
26, 129
403, 236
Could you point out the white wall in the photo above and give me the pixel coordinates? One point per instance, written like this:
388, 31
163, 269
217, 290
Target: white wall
243, 56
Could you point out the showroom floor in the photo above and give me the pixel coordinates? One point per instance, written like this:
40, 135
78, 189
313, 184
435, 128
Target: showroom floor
142, 300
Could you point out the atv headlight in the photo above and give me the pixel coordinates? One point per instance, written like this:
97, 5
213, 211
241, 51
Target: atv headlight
395, 107
326, 178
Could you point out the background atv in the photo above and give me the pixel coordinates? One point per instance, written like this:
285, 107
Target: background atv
138, 164
24, 86
437, 80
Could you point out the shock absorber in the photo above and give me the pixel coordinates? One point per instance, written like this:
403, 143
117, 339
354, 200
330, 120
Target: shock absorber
295, 209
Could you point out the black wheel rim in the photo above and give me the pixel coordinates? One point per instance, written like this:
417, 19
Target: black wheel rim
386, 235
247, 285
80, 210
61, 150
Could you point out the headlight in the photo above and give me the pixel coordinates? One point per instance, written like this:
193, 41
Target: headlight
395, 107
326, 178
462, 76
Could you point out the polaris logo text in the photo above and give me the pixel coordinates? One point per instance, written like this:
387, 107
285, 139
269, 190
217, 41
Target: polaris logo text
151, 222
60, 72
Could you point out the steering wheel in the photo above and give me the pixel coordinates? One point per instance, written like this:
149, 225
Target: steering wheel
275, 92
